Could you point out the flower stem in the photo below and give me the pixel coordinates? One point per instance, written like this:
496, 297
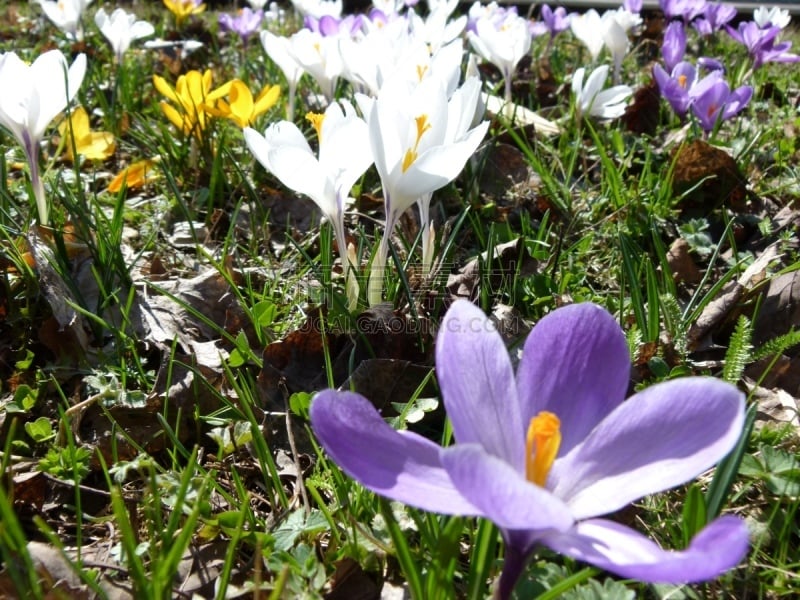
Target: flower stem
31, 148
513, 565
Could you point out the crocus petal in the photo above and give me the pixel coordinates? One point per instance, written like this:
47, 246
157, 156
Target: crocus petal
402, 466
266, 99
502, 494
660, 438
575, 364
439, 165
57, 84
720, 546
477, 383
175, 117
300, 171
164, 88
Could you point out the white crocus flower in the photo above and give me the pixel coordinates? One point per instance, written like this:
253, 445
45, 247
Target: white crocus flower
611, 30
624, 18
344, 155
588, 28
278, 48
616, 40
319, 56
774, 16
437, 28
416, 148
462, 108
592, 100
32, 96
503, 44
66, 15
120, 29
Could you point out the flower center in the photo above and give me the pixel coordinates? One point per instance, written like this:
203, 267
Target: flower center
411, 154
316, 120
682, 81
541, 446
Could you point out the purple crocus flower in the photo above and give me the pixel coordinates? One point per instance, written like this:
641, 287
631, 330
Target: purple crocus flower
715, 16
542, 454
246, 22
712, 99
328, 25
772, 52
682, 9
556, 20
710, 64
751, 36
675, 86
760, 43
674, 45
632, 6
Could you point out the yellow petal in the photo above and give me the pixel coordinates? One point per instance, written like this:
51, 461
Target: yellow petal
206, 81
174, 116
266, 99
241, 103
164, 88
221, 91
220, 110
98, 145
134, 176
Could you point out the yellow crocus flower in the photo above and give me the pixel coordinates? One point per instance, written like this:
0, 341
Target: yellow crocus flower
242, 109
189, 99
182, 9
94, 145
135, 175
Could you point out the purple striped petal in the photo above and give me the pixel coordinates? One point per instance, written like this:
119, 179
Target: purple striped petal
501, 493
575, 364
401, 466
660, 438
720, 546
477, 384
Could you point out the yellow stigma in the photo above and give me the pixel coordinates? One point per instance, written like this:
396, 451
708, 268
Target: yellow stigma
682, 81
316, 120
541, 446
421, 70
411, 153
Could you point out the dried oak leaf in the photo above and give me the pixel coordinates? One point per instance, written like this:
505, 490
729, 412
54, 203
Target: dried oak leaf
681, 263
351, 582
725, 306
387, 381
642, 115
504, 167
509, 260
297, 362
706, 177
780, 310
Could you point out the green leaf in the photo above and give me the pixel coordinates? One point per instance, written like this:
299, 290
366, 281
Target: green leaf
264, 313
297, 525
695, 513
25, 363
299, 403
40, 430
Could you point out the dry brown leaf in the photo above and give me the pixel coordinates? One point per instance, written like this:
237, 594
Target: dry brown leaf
707, 177
510, 260
722, 306
681, 263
